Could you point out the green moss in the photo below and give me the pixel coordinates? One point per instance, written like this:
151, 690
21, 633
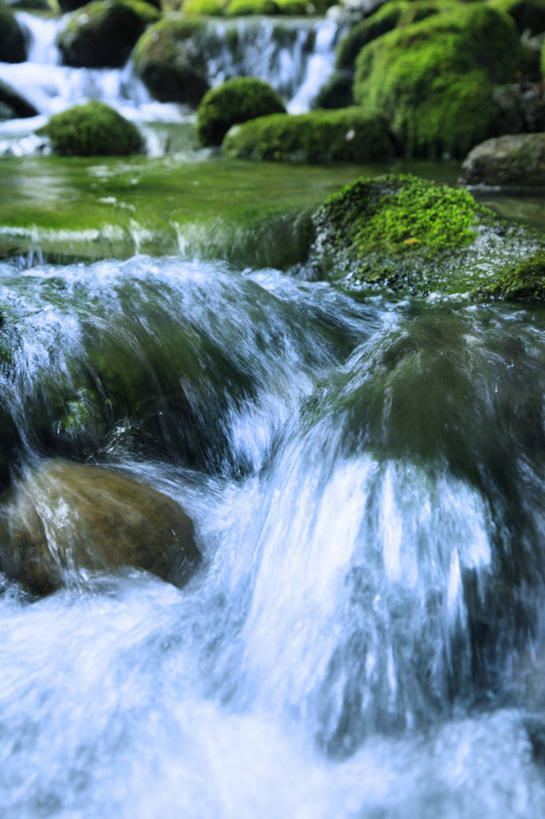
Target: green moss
433, 78
416, 237
172, 58
529, 15
389, 16
12, 41
203, 7
91, 130
336, 92
524, 282
347, 135
235, 101
401, 213
103, 33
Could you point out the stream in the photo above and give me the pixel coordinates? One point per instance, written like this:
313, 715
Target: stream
364, 635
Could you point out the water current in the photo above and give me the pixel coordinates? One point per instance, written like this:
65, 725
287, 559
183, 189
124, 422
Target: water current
364, 636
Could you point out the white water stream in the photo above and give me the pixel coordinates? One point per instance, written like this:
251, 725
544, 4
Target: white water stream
325, 661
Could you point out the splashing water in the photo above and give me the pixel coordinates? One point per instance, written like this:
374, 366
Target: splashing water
367, 489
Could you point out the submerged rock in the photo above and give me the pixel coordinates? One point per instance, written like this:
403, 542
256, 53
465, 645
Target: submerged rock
234, 101
517, 160
103, 33
65, 518
93, 129
344, 135
433, 78
415, 236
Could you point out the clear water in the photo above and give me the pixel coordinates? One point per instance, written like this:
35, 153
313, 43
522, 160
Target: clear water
365, 636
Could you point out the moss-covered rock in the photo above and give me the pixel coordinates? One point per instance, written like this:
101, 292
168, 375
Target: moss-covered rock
415, 236
525, 282
65, 518
103, 33
433, 79
15, 104
513, 160
336, 92
172, 58
346, 135
240, 8
389, 16
12, 41
529, 15
93, 129
235, 101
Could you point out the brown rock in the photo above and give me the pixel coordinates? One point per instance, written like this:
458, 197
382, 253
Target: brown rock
64, 518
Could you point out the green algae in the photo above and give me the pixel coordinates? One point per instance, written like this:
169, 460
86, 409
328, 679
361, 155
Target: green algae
91, 208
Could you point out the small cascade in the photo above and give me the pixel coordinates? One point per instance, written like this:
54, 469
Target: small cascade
294, 56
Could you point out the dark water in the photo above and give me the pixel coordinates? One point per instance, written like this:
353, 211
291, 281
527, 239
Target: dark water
364, 637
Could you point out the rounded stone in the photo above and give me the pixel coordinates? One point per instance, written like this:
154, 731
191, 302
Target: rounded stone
65, 518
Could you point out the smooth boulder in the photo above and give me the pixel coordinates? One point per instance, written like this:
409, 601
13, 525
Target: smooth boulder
66, 518
515, 161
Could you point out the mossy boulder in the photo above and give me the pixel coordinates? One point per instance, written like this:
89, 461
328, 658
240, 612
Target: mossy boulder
235, 101
14, 104
336, 92
93, 129
433, 79
529, 15
413, 236
13, 47
172, 58
103, 33
65, 519
346, 135
389, 16
525, 282
512, 160
240, 8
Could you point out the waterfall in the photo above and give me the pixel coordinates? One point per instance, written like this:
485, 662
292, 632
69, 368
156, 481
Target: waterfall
295, 57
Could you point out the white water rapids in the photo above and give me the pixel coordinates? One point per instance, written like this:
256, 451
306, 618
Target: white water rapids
328, 660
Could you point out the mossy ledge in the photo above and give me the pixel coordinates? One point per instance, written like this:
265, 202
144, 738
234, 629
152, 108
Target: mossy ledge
345, 135
416, 237
93, 129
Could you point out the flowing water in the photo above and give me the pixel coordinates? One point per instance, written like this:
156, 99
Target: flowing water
364, 637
